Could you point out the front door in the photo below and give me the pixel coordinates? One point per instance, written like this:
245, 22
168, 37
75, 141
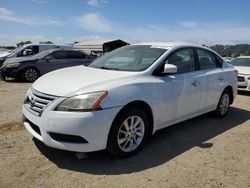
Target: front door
183, 90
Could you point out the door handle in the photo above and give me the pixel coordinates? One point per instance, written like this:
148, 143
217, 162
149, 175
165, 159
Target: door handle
221, 78
195, 83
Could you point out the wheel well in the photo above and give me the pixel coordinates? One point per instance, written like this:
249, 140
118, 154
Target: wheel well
230, 90
142, 106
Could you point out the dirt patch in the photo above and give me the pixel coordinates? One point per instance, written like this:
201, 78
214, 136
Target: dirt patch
10, 127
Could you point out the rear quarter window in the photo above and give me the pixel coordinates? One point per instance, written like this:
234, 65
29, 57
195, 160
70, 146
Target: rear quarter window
207, 59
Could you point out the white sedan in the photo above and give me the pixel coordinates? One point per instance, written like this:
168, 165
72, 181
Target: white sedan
242, 65
124, 97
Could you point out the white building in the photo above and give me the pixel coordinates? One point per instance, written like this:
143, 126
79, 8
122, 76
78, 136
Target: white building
99, 47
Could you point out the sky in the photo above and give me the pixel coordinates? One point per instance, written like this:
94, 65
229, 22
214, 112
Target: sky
67, 21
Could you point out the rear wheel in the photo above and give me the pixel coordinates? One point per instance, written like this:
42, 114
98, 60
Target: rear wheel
30, 74
223, 105
128, 133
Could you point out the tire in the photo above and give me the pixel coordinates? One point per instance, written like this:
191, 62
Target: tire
223, 105
30, 74
125, 137
2, 77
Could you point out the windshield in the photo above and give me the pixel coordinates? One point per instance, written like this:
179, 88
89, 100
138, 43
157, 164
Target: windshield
241, 62
15, 50
129, 58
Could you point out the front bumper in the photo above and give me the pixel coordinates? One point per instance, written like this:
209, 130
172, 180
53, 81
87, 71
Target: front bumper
243, 82
9, 72
91, 126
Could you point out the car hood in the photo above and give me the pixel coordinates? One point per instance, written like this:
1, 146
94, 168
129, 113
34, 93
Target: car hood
242, 69
18, 60
80, 79
4, 54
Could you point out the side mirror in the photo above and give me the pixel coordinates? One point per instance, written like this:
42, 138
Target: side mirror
169, 69
25, 53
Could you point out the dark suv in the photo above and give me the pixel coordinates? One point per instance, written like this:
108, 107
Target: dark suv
30, 68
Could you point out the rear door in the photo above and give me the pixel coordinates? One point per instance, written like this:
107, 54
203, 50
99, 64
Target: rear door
56, 60
211, 70
76, 58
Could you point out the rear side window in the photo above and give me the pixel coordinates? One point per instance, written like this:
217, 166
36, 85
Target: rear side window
59, 55
207, 60
183, 60
52, 47
35, 49
76, 55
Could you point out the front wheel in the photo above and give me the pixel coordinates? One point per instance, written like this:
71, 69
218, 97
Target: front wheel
128, 133
223, 105
30, 74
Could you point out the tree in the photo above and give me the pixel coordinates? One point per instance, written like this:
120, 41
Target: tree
23, 43
46, 42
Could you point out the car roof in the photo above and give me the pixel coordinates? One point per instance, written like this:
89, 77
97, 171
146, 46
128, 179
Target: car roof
64, 50
37, 44
168, 45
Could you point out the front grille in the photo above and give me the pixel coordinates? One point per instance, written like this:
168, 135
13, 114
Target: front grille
36, 102
241, 79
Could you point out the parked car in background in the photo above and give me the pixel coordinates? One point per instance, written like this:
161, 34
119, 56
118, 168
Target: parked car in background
30, 68
242, 65
125, 96
31, 49
228, 59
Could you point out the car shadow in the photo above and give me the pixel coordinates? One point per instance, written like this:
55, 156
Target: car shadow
162, 147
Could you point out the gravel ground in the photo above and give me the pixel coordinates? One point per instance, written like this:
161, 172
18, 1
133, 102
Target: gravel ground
202, 152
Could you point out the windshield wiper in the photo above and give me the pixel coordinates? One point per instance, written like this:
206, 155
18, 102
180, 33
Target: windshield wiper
108, 68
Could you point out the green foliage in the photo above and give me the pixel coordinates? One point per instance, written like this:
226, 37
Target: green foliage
232, 50
46, 42
23, 43
8, 47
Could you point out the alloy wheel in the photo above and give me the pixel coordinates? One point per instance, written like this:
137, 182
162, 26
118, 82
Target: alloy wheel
30, 75
131, 133
224, 103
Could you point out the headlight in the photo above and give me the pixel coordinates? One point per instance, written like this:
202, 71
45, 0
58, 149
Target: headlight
82, 103
11, 65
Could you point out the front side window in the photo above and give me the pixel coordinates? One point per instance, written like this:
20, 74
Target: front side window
30, 50
76, 55
183, 60
129, 58
206, 59
59, 55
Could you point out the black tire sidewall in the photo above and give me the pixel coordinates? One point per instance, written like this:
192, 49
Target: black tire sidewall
112, 145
